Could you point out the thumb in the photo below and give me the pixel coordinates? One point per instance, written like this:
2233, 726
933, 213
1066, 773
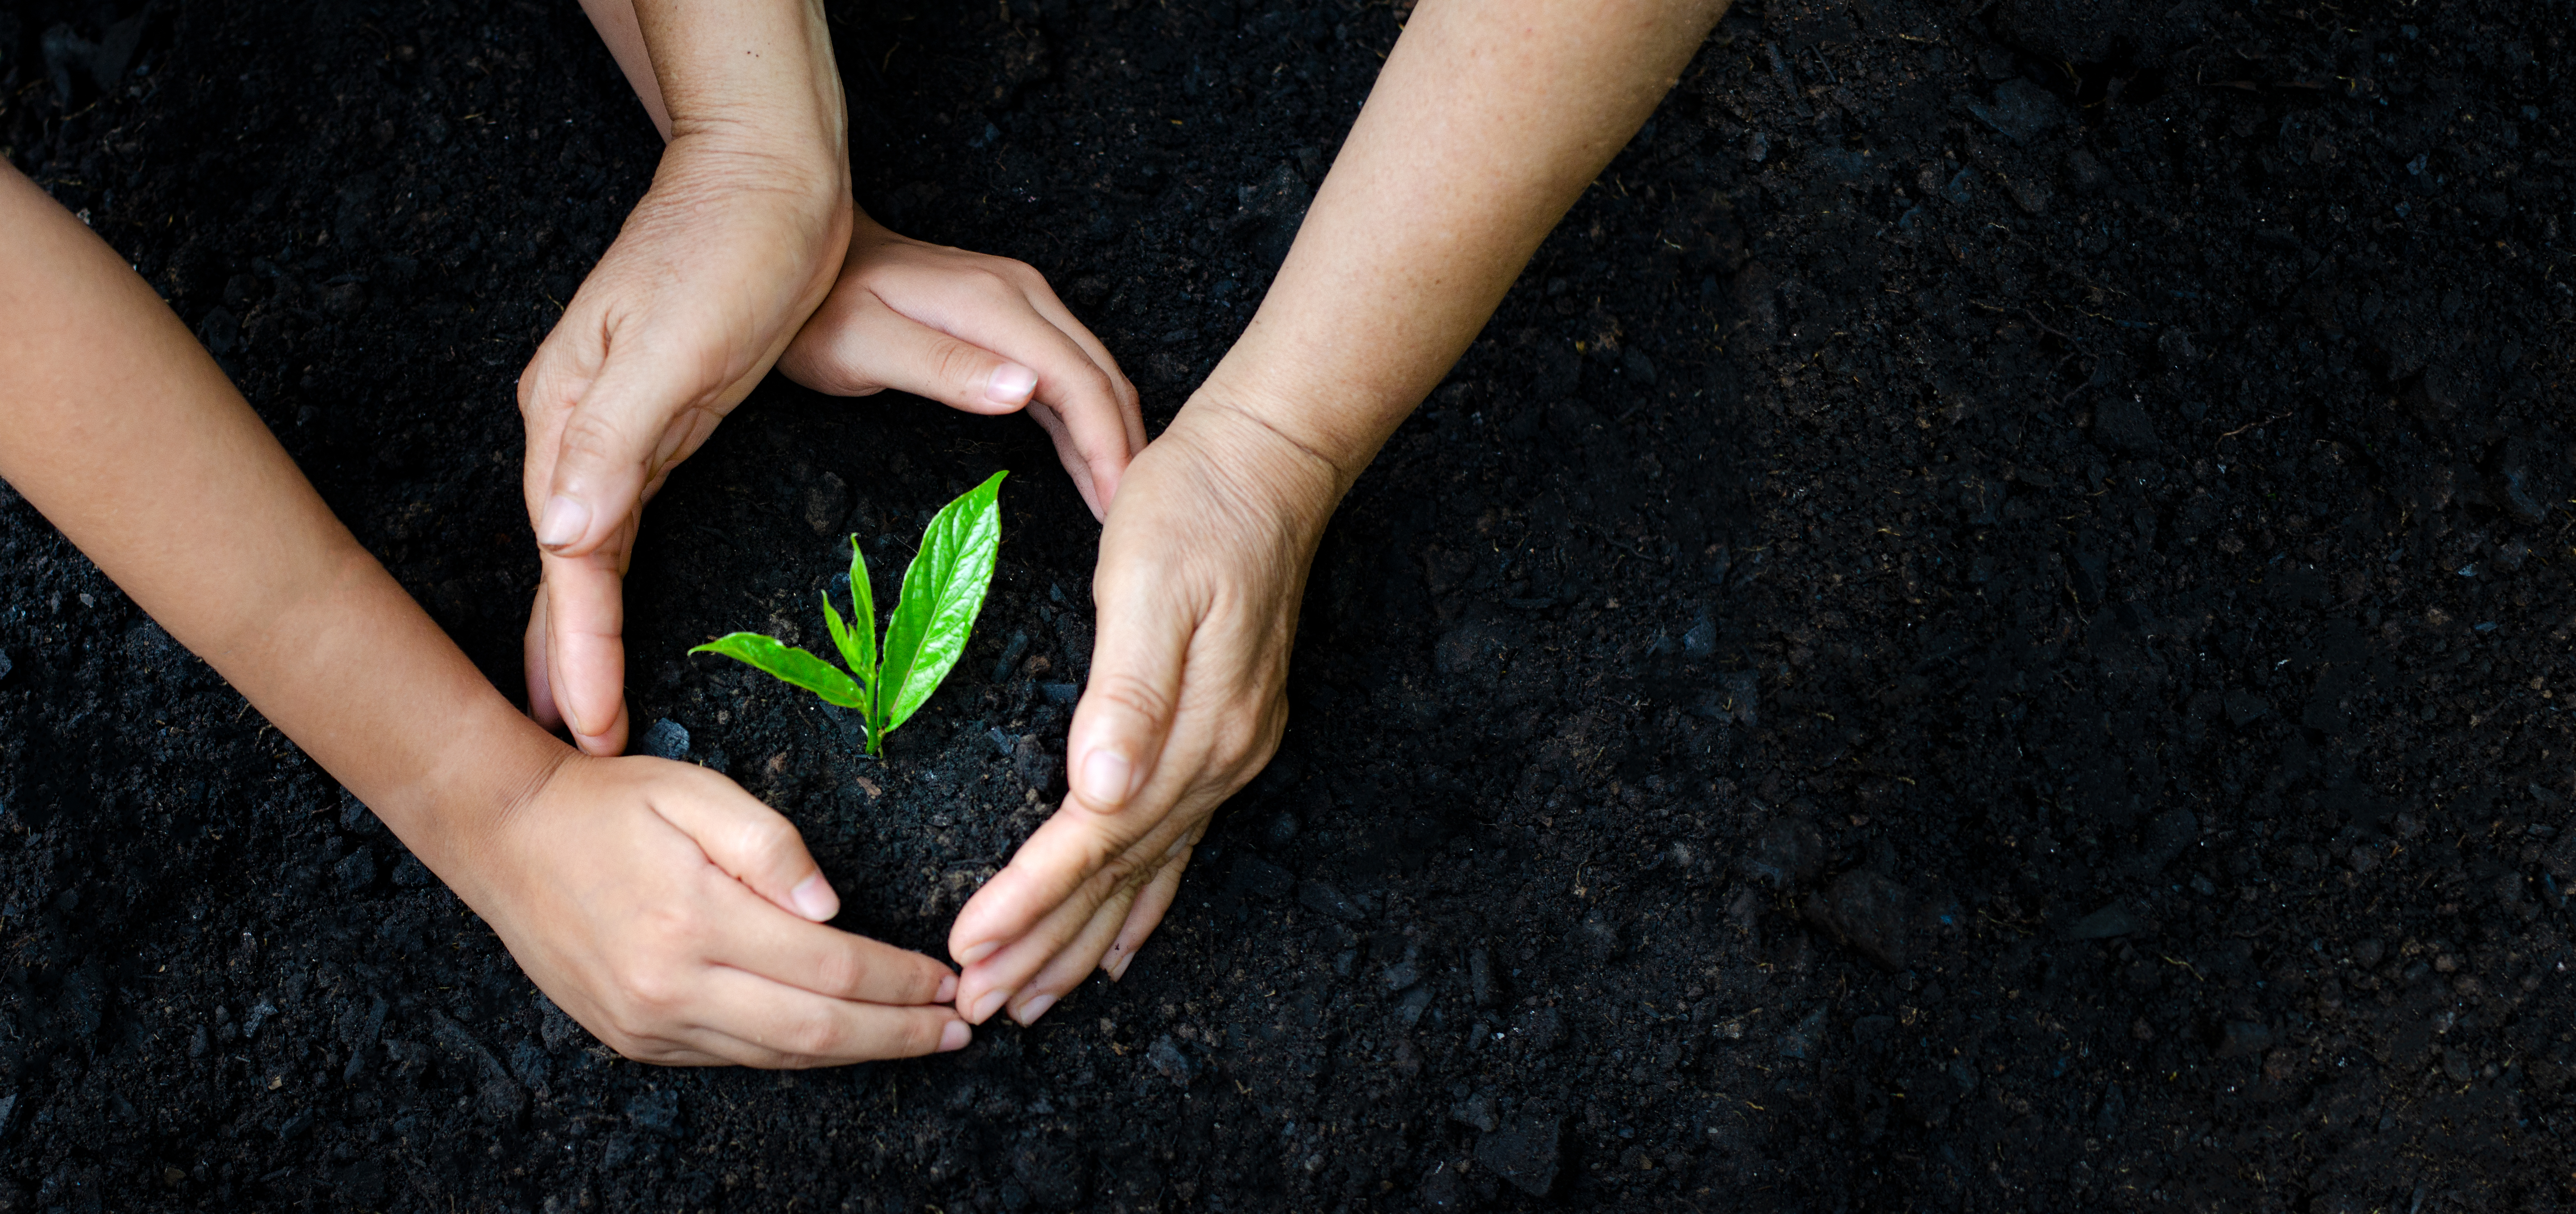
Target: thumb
615, 424
745, 838
1127, 708
1117, 737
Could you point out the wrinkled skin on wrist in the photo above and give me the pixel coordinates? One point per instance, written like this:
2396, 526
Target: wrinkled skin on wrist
680, 920
1202, 567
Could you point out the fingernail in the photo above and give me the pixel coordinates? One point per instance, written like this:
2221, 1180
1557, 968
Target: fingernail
947, 989
1104, 777
814, 899
985, 1007
955, 1036
562, 523
1011, 384
1031, 1010
979, 952
1117, 966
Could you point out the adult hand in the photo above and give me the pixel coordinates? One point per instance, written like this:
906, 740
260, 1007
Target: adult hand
974, 332
725, 257
1202, 568
682, 921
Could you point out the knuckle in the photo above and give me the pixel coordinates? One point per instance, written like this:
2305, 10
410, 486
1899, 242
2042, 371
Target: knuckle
1121, 693
812, 1033
955, 362
839, 973
767, 838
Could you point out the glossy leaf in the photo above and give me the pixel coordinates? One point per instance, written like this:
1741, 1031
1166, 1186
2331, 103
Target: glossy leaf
943, 591
863, 600
788, 663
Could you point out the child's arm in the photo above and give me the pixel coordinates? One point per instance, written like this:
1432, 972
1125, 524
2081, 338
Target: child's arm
740, 240
1490, 118
676, 916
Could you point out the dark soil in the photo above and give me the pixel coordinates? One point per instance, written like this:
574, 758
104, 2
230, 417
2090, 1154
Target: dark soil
1980, 632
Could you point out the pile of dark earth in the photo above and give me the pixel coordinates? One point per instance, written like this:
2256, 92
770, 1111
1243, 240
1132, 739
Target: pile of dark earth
1980, 632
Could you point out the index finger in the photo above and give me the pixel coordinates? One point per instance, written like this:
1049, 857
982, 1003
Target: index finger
755, 935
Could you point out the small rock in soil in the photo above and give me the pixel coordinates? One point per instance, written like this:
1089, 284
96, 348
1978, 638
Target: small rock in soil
1060, 693
1541, 1028
356, 871
1701, 640
1868, 912
1168, 1061
5, 666
1262, 879
656, 1111
1036, 766
1480, 977
1402, 976
498, 1098
1599, 936
1738, 693
827, 502
666, 739
410, 873
1324, 899
295, 1126
2021, 111
1051, 1171
1800, 1040
558, 1029
1441, 1190
1477, 1111
2103, 924
1416, 1001
1788, 853
257, 1015
2242, 1038
2166, 836
1523, 1153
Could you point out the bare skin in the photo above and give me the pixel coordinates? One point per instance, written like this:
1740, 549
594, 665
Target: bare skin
675, 916
1489, 120
748, 253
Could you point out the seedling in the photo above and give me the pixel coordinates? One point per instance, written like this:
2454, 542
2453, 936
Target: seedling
943, 590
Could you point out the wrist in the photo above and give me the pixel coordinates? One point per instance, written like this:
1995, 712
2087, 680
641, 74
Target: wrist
1255, 443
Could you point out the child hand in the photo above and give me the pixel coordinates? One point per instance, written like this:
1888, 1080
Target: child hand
974, 332
683, 922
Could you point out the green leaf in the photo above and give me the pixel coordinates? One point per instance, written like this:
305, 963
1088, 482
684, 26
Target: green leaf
863, 599
943, 591
788, 663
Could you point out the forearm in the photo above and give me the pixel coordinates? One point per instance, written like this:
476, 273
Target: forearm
758, 70
119, 428
1489, 120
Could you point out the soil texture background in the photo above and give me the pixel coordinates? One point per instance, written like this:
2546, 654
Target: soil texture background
1980, 632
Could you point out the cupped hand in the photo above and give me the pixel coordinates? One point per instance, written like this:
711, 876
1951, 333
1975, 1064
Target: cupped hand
682, 921
1202, 567
716, 268
975, 332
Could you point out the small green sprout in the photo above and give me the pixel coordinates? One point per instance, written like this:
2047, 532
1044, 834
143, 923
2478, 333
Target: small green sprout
943, 590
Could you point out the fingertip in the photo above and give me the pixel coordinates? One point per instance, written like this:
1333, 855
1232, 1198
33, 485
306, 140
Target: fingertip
1010, 384
954, 1036
1029, 1012
565, 521
989, 1003
1107, 779
947, 989
814, 899
977, 952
